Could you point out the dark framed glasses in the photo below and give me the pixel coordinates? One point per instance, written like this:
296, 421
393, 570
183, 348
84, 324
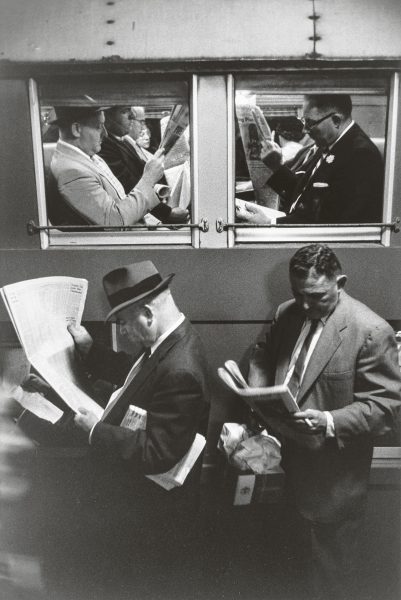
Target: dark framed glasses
308, 124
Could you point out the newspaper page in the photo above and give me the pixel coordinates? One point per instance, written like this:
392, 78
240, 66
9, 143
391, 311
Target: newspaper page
254, 129
40, 310
135, 418
176, 125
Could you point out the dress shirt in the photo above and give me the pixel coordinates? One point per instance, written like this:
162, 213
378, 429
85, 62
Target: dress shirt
136, 368
330, 431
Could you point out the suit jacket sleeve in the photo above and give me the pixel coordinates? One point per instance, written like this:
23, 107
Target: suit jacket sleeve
173, 414
130, 177
377, 390
82, 190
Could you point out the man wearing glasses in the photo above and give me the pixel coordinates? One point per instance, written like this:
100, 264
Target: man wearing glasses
341, 178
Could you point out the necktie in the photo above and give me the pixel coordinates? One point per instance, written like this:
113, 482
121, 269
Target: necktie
295, 380
131, 375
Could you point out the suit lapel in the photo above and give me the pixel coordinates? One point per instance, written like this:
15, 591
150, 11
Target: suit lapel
289, 337
329, 341
128, 397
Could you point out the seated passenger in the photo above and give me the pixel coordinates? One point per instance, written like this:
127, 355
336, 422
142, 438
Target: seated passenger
341, 182
128, 162
88, 192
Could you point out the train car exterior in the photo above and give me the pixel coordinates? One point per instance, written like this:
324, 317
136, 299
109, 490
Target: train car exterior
229, 278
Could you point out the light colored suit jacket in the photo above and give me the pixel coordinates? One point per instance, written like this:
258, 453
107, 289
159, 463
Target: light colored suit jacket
354, 374
93, 196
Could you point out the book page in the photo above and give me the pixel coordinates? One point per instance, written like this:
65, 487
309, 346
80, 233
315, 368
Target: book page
40, 310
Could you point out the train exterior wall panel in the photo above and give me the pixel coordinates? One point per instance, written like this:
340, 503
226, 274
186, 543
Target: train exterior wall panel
53, 30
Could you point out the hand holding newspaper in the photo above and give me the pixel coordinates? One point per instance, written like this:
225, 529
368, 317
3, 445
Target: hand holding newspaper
40, 310
135, 418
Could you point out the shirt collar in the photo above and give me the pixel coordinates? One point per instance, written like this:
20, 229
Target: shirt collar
73, 148
169, 331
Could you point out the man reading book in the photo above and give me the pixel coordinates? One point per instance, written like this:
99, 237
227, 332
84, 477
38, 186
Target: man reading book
340, 360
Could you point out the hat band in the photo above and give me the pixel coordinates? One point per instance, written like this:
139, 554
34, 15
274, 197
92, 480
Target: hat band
129, 293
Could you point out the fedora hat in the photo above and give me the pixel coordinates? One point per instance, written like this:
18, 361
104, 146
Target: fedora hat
83, 107
131, 283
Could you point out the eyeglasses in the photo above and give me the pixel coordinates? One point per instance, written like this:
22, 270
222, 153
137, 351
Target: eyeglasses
308, 124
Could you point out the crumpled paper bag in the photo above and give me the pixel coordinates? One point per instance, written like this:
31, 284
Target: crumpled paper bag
260, 453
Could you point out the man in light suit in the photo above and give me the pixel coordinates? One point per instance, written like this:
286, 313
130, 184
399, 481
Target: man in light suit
82, 189
348, 390
341, 182
126, 163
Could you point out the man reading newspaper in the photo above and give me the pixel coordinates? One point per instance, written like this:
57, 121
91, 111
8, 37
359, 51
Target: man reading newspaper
140, 535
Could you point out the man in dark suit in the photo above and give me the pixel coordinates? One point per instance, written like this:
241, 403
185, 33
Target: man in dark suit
125, 162
135, 537
341, 182
340, 361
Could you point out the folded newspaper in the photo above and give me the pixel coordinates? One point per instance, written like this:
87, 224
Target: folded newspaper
272, 404
40, 310
135, 418
177, 124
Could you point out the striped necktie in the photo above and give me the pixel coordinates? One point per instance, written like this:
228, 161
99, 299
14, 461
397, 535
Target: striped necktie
310, 166
295, 380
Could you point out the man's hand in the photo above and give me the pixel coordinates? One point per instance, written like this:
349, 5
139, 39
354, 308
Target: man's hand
251, 213
310, 421
83, 341
85, 419
271, 155
154, 168
178, 215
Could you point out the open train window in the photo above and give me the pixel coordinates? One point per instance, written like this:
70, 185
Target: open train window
84, 200
310, 154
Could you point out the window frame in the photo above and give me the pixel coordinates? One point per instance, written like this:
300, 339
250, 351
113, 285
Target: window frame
142, 237
240, 236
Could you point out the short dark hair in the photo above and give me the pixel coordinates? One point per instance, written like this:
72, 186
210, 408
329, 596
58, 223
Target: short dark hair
341, 103
319, 257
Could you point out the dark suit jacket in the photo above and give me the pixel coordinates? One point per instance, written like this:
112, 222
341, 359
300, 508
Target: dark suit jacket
128, 167
354, 374
354, 173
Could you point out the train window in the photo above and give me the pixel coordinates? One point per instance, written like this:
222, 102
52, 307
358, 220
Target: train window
98, 175
309, 157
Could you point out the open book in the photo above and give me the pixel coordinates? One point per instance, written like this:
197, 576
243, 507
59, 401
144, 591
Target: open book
40, 310
272, 404
135, 418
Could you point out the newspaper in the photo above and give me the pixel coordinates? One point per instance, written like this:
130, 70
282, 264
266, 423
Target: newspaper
242, 212
135, 418
272, 404
176, 125
254, 129
40, 310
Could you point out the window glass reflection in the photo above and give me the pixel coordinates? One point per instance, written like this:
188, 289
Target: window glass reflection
116, 159
313, 158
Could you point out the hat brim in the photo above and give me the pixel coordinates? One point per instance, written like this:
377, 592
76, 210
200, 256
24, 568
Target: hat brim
158, 288
59, 120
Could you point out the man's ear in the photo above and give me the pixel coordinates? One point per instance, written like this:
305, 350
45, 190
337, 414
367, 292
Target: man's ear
76, 130
341, 281
337, 119
148, 312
